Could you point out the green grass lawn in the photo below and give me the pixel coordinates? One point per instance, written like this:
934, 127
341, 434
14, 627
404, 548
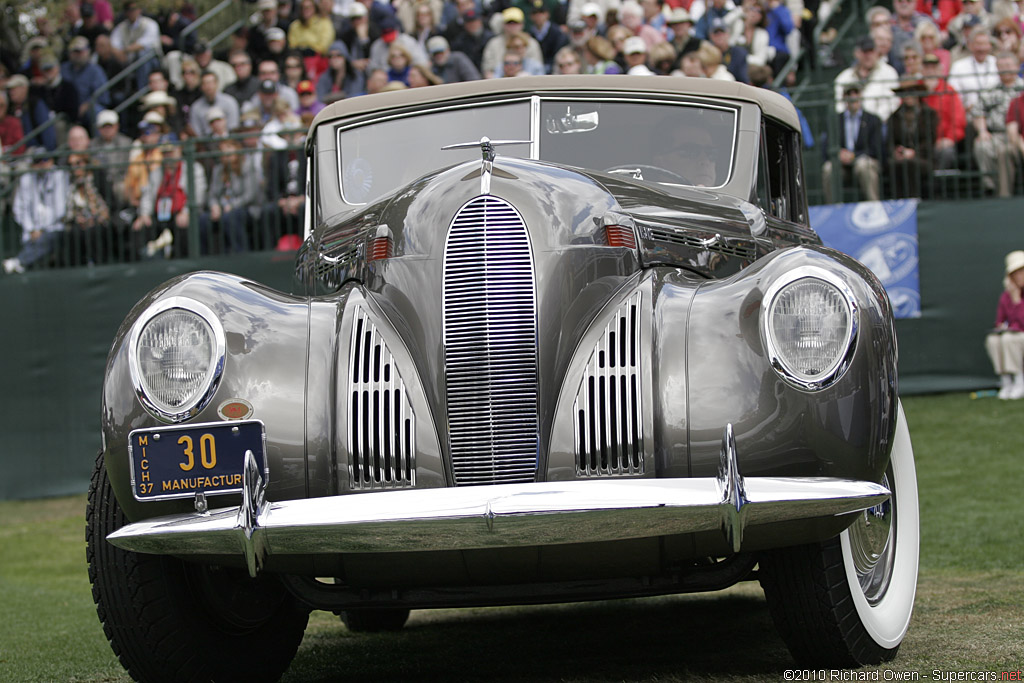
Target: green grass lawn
969, 614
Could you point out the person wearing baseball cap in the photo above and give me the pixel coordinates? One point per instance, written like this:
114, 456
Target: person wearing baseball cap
87, 77
450, 67
60, 94
391, 34
31, 112
110, 148
634, 51
133, 37
877, 79
494, 51
550, 38
309, 105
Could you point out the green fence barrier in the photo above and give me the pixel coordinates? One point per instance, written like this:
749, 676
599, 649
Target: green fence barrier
57, 331
961, 248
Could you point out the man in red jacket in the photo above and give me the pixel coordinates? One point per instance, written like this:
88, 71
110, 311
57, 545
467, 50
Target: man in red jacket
952, 118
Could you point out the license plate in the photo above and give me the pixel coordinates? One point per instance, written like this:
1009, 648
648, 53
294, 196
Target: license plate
178, 462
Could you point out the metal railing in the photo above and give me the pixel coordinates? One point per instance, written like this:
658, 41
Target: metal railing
80, 239
965, 174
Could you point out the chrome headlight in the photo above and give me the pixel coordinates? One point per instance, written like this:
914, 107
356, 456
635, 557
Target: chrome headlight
809, 323
176, 355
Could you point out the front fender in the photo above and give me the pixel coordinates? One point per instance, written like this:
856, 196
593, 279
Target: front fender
266, 339
844, 430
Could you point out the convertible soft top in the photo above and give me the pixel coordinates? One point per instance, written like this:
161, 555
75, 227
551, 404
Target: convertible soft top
773, 104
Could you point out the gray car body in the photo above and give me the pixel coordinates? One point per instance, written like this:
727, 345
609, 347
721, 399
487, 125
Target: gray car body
704, 365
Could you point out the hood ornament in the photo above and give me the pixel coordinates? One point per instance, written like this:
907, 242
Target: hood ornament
487, 153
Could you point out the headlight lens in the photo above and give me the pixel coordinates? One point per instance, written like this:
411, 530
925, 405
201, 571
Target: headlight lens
810, 328
177, 354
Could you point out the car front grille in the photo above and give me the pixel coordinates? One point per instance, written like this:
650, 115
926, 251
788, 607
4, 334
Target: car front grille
490, 345
381, 422
609, 405
727, 247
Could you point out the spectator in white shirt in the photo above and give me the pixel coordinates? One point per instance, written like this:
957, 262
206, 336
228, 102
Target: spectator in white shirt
977, 72
40, 203
877, 81
132, 37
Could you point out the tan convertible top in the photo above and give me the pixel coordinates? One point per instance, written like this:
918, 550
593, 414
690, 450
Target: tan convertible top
773, 104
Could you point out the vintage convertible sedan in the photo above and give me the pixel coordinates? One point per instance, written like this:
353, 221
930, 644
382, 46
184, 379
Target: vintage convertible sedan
552, 339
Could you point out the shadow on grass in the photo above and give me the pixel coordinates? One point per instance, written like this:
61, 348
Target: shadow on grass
661, 639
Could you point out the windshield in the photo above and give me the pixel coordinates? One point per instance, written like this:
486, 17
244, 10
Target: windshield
662, 143
680, 144
385, 155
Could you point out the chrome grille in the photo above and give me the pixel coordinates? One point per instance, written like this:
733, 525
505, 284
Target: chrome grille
381, 424
490, 345
609, 406
727, 247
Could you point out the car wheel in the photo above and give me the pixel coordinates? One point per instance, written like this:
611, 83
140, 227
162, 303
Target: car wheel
374, 620
168, 620
847, 601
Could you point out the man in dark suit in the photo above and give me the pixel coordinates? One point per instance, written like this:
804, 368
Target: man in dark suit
860, 149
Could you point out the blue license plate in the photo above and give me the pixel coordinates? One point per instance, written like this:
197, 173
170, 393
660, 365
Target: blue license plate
179, 462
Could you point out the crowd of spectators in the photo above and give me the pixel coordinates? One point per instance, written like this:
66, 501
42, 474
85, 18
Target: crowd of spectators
932, 90
934, 82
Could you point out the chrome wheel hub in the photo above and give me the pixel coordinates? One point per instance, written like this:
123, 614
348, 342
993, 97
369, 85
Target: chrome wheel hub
873, 545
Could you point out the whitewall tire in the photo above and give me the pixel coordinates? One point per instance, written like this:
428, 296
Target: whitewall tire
847, 602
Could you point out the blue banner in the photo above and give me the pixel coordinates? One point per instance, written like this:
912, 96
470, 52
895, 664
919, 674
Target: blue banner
882, 236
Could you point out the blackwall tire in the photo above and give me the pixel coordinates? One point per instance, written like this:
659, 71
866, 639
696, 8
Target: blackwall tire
374, 620
847, 602
168, 620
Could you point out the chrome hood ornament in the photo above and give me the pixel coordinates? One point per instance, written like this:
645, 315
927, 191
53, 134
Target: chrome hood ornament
487, 152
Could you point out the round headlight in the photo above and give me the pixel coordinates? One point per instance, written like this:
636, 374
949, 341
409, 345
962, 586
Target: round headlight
810, 327
176, 356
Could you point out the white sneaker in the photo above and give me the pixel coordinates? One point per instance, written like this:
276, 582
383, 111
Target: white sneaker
161, 243
13, 265
1005, 386
1017, 388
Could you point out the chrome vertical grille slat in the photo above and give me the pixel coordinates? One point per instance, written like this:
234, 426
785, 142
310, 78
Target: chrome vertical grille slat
608, 405
490, 345
382, 454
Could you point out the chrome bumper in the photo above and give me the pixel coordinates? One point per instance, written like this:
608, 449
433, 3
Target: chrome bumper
542, 513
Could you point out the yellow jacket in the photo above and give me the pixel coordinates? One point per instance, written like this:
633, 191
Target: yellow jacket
317, 36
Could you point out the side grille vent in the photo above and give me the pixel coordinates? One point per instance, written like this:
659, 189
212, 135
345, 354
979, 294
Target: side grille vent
608, 407
726, 247
490, 345
381, 423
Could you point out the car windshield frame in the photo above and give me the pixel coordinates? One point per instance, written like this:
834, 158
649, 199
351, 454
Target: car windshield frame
538, 125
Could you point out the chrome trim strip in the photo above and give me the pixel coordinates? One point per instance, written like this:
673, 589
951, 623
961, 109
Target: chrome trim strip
842, 362
202, 399
504, 515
